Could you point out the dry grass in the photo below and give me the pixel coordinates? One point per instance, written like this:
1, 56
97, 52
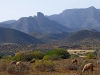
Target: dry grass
62, 67
79, 51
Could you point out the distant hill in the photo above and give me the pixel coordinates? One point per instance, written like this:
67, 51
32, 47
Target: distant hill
5, 25
8, 35
51, 37
83, 36
9, 21
77, 19
38, 23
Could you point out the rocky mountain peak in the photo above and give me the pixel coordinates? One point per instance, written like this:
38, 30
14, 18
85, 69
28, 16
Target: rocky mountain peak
39, 14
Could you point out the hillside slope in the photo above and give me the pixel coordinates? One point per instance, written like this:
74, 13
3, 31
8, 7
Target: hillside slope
8, 35
83, 36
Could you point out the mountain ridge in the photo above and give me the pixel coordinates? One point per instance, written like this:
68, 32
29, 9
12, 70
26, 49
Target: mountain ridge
38, 23
83, 18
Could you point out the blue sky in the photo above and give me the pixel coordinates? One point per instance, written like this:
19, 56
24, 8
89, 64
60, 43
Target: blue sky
15, 9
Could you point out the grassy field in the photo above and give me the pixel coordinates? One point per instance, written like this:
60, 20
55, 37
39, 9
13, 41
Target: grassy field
62, 67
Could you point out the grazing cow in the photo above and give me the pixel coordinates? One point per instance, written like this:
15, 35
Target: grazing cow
94, 57
32, 61
85, 60
18, 63
13, 62
74, 61
87, 67
98, 62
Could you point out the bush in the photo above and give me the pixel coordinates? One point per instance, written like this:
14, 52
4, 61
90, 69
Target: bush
38, 54
3, 65
20, 56
44, 65
52, 57
90, 55
60, 52
18, 70
29, 56
11, 69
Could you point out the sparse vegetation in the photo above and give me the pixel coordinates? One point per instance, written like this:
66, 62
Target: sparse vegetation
47, 62
44, 65
18, 70
71, 67
74, 55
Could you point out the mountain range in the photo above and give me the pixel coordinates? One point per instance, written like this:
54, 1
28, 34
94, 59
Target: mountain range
78, 19
60, 28
37, 23
68, 20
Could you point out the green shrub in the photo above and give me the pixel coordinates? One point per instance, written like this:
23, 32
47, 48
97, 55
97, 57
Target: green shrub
29, 56
44, 65
38, 54
20, 56
52, 57
90, 55
60, 52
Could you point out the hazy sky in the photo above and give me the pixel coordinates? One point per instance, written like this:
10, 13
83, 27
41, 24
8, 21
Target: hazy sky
15, 9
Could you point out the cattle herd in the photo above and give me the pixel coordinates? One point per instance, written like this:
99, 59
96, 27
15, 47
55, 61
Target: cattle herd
86, 67
18, 63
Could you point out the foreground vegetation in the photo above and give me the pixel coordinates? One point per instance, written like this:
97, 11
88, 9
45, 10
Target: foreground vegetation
53, 62
48, 67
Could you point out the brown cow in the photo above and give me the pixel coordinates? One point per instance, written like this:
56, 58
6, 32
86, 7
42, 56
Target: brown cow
74, 61
32, 61
87, 67
13, 62
85, 60
94, 57
98, 62
18, 63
